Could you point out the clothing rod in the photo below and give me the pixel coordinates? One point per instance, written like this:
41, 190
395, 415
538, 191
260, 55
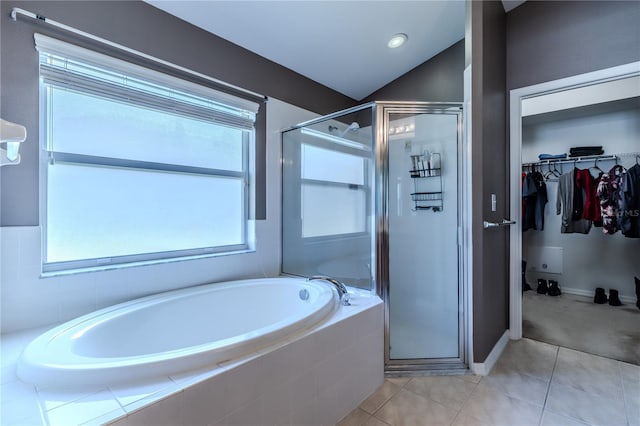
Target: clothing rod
574, 159
18, 11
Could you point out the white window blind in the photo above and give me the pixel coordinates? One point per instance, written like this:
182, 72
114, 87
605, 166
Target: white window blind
72, 67
141, 166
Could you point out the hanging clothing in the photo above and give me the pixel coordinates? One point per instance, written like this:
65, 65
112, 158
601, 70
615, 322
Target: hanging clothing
610, 196
578, 200
597, 212
630, 217
534, 194
587, 185
529, 194
564, 206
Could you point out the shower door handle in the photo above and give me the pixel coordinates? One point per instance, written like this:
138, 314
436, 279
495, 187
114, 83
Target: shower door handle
505, 222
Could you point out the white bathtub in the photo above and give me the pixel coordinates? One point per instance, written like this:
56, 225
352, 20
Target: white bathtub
174, 332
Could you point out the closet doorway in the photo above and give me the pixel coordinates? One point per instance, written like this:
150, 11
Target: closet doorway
601, 108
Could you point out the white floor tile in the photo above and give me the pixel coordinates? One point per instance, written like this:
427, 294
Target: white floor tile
51, 398
450, 391
83, 410
551, 419
590, 373
166, 412
129, 394
491, 406
407, 408
19, 401
586, 407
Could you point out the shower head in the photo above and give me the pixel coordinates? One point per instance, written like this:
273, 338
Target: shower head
353, 126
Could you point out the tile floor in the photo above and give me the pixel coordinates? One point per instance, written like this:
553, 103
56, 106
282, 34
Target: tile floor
532, 383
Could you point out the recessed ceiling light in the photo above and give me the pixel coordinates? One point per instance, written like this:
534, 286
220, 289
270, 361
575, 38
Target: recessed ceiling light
397, 40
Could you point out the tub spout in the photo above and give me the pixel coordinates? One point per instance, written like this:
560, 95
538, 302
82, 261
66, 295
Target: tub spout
342, 290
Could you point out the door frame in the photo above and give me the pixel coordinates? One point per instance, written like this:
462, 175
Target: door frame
515, 159
383, 109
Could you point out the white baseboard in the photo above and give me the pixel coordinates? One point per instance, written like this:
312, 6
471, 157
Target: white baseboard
484, 368
590, 293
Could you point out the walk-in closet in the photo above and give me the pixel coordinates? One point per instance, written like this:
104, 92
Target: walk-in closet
581, 219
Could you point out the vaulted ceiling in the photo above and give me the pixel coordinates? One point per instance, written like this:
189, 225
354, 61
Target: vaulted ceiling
340, 44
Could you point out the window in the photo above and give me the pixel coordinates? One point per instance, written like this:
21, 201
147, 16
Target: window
139, 165
331, 177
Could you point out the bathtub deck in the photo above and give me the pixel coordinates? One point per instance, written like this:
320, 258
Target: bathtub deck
315, 377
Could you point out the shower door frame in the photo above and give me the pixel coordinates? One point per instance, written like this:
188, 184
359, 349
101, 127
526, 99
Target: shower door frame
382, 110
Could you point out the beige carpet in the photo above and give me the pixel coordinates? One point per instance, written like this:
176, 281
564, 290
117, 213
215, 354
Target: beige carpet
576, 322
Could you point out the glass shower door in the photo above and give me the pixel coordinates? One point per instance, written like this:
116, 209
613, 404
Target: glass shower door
424, 293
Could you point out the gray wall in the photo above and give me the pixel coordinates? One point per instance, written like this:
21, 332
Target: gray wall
437, 80
548, 40
142, 27
487, 40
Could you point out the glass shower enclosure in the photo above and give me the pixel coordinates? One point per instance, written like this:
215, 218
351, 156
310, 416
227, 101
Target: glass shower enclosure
371, 197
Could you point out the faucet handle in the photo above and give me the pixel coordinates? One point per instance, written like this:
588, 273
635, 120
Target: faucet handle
346, 299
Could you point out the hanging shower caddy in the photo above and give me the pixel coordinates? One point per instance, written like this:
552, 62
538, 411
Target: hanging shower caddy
426, 173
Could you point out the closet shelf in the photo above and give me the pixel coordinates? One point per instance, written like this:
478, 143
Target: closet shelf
574, 160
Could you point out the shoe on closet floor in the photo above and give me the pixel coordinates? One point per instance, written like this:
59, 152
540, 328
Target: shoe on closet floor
600, 296
614, 298
554, 290
542, 286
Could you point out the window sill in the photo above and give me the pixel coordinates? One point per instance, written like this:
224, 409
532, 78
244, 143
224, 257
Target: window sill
104, 268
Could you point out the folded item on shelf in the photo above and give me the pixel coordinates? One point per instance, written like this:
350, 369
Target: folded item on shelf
582, 148
586, 153
552, 156
576, 151
581, 151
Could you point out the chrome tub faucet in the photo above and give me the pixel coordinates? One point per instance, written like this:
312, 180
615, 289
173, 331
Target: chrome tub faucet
342, 290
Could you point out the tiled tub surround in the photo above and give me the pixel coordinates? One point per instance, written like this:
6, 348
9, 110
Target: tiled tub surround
314, 378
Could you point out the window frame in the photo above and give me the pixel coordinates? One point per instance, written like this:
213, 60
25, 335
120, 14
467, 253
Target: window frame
49, 156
